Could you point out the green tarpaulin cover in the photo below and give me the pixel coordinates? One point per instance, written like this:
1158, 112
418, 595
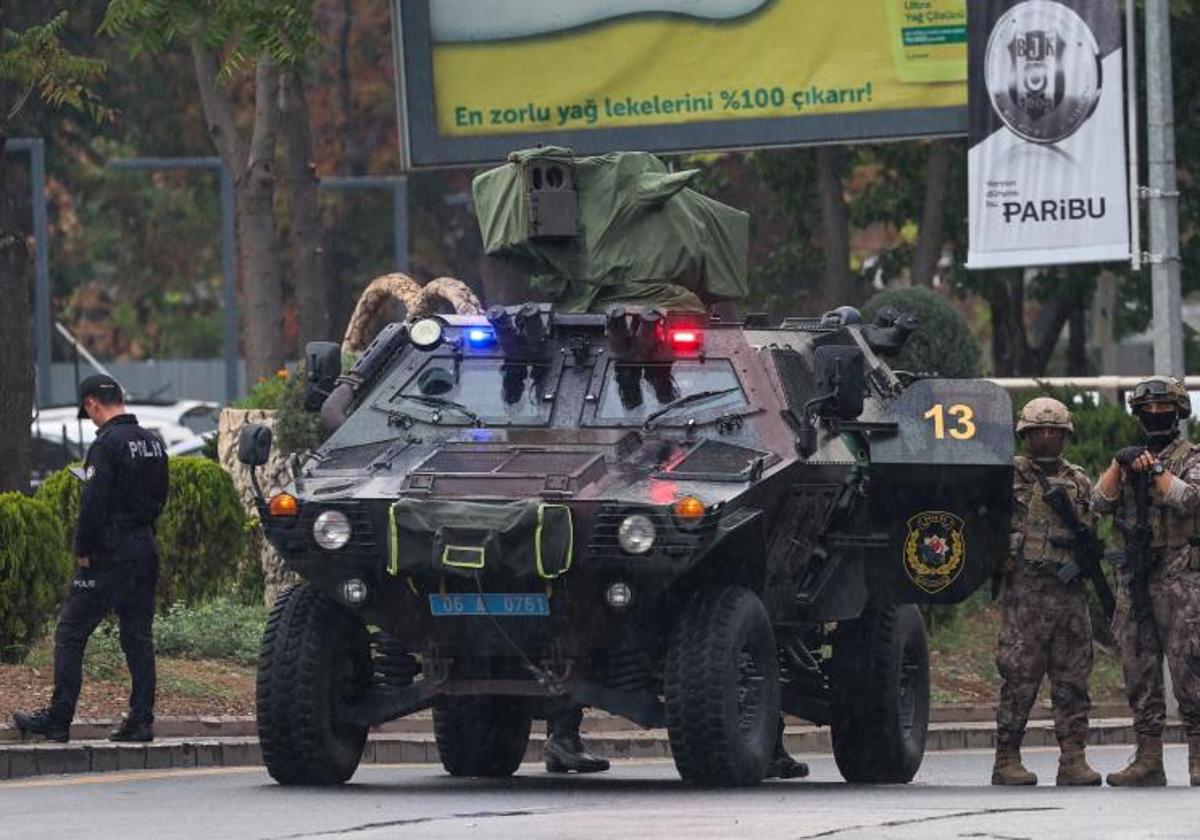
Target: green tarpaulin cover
644, 238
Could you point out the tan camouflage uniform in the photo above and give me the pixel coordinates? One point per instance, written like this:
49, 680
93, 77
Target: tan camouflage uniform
1174, 586
1045, 627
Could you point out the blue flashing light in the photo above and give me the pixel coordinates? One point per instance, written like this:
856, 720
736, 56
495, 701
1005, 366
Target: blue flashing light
480, 337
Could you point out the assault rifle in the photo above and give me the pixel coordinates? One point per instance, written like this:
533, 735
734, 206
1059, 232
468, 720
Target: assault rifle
1086, 549
1138, 535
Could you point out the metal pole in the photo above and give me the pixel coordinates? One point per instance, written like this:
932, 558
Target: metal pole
1131, 125
229, 339
41, 284
400, 223
1163, 195
41, 289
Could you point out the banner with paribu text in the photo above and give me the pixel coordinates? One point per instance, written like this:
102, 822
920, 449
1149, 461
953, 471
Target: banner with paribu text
485, 76
1047, 154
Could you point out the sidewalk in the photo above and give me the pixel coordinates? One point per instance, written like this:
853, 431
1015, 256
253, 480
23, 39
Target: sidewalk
231, 742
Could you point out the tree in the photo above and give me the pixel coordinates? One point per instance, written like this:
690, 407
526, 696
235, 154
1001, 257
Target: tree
224, 38
35, 67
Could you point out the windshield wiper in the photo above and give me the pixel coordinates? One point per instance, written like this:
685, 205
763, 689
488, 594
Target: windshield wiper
439, 402
688, 399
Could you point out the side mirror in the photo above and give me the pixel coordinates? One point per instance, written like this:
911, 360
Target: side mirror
254, 445
323, 365
841, 379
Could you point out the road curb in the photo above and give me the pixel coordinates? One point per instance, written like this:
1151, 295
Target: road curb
26, 759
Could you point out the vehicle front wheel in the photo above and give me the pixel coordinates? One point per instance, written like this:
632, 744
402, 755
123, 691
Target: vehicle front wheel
721, 683
315, 656
481, 735
881, 706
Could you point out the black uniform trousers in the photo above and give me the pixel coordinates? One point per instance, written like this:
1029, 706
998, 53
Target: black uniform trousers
124, 587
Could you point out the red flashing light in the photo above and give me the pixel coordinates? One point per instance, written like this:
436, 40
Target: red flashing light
685, 339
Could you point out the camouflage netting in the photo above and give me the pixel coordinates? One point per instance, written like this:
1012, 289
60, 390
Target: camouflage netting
644, 237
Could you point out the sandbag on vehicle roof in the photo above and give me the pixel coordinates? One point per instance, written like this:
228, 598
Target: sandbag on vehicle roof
642, 236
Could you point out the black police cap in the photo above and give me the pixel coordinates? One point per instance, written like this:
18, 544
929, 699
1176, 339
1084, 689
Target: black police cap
98, 385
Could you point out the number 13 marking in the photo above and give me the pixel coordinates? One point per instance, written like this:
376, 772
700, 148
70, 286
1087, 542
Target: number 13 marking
964, 429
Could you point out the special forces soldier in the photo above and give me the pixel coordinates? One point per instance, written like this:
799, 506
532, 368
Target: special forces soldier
124, 491
1158, 605
1045, 626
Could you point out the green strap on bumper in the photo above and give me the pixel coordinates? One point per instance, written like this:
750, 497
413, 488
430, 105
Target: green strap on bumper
537, 542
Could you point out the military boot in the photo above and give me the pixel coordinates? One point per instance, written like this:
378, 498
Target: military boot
565, 754
1073, 769
44, 723
1009, 770
133, 730
1146, 768
1194, 760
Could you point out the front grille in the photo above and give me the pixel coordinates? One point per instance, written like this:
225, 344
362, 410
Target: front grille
506, 462
602, 540
602, 543
715, 458
353, 457
363, 542
541, 463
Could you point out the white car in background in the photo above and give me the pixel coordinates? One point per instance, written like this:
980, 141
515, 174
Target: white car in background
60, 437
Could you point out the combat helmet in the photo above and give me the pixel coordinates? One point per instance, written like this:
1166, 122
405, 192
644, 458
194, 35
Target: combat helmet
1044, 413
1155, 389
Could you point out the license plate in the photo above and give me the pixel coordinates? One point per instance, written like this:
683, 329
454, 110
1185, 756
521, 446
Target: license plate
490, 603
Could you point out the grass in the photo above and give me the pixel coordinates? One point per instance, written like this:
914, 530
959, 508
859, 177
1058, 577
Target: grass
962, 645
220, 629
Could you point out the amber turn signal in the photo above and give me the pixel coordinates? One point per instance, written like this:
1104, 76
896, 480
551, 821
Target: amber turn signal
689, 509
283, 504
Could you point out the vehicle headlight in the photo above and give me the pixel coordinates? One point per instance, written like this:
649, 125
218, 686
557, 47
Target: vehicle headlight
425, 334
636, 534
331, 530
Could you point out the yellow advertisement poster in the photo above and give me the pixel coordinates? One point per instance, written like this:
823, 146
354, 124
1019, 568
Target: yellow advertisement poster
527, 67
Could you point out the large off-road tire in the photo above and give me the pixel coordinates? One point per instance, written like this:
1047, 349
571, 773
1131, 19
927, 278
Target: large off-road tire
721, 683
481, 736
315, 656
881, 703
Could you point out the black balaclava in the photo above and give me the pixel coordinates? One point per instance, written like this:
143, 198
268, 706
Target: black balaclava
1045, 449
1160, 427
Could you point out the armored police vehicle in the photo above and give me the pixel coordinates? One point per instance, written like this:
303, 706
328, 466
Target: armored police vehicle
685, 522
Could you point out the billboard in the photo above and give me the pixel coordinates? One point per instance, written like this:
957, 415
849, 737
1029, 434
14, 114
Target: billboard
482, 77
1046, 162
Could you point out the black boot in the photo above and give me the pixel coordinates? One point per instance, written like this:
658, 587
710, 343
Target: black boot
42, 722
782, 765
564, 752
130, 730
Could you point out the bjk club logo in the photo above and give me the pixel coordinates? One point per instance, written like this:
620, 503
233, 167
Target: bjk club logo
1042, 71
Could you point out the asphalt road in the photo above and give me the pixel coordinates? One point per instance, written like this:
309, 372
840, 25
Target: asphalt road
950, 799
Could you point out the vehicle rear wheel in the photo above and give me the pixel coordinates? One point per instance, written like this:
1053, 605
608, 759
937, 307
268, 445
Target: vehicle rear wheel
881, 709
722, 689
481, 736
314, 657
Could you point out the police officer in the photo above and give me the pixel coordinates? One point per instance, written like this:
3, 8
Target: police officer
124, 490
1045, 626
1172, 581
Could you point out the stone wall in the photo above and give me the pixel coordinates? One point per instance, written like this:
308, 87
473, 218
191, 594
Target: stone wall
273, 477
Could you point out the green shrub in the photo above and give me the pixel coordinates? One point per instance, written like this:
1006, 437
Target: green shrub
942, 344
201, 533
296, 430
216, 629
34, 571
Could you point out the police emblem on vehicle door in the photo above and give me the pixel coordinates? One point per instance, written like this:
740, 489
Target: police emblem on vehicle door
934, 550
1042, 71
